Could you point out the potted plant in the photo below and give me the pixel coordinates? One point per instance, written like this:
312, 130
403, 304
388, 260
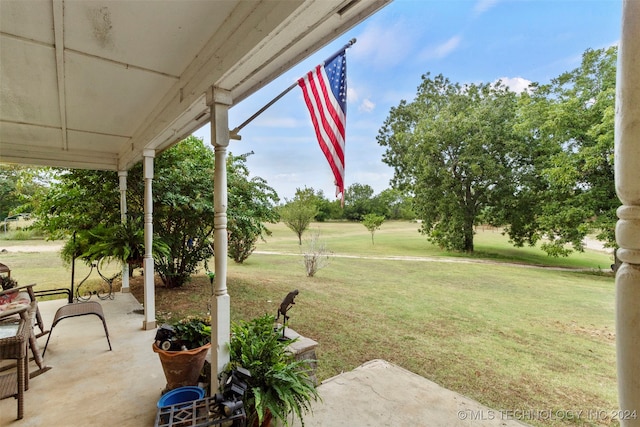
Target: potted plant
7, 282
120, 242
279, 385
182, 347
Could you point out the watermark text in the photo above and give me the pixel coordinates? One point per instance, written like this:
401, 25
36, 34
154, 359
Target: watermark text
547, 414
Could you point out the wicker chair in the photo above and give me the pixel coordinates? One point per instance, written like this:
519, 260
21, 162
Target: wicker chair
14, 384
27, 293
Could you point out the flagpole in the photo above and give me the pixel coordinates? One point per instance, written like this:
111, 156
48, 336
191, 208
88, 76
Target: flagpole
233, 134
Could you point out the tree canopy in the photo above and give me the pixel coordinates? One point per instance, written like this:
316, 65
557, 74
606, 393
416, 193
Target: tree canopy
539, 164
298, 213
183, 211
372, 222
455, 150
573, 117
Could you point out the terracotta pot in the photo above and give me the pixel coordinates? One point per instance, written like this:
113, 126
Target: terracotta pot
182, 368
266, 421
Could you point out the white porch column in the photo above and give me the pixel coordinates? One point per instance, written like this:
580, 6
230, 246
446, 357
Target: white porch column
219, 101
149, 321
122, 178
627, 177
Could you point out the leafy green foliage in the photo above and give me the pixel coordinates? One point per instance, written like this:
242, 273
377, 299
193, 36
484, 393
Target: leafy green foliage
393, 204
357, 201
454, 149
18, 187
251, 204
298, 214
278, 382
372, 222
120, 242
540, 164
573, 117
193, 331
7, 282
183, 211
325, 209
78, 200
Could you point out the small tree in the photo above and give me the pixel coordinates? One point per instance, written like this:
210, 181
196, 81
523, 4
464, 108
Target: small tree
297, 215
316, 255
372, 222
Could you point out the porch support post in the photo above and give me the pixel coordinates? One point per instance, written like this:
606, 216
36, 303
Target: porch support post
219, 101
627, 178
122, 178
149, 321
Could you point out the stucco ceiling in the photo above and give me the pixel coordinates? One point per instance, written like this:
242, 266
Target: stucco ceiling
91, 84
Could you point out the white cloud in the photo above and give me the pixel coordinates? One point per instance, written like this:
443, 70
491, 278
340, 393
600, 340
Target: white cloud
515, 84
287, 176
384, 45
441, 50
352, 95
367, 105
483, 5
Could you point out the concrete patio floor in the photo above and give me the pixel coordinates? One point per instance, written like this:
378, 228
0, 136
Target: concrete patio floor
89, 385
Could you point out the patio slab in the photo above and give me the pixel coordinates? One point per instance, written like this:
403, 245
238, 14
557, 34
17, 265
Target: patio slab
89, 385
379, 393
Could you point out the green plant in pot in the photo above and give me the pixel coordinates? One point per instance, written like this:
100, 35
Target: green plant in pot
119, 242
279, 385
7, 282
182, 347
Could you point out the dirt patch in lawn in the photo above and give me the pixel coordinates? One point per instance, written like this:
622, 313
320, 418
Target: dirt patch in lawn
190, 298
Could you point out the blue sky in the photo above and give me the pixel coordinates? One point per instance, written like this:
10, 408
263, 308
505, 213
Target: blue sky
468, 41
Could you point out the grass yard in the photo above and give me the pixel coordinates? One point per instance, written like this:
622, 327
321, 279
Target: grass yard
513, 338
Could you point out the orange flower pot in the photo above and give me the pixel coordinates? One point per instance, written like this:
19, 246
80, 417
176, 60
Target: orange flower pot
182, 368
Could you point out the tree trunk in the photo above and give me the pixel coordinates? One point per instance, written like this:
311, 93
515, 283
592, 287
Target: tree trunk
468, 235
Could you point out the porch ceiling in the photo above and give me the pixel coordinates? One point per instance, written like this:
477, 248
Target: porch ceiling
91, 84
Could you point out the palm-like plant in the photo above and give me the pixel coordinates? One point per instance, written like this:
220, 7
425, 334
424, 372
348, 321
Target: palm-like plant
279, 384
120, 242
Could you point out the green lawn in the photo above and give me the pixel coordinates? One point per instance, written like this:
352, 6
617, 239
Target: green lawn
398, 238
511, 337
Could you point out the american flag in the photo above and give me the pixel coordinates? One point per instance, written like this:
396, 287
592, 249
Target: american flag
325, 93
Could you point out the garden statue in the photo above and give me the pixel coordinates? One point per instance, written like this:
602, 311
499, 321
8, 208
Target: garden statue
285, 306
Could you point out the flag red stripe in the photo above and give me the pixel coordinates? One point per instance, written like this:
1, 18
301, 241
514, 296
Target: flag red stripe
322, 110
331, 157
330, 101
333, 126
328, 116
326, 120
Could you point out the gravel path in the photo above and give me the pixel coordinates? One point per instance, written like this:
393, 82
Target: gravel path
17, 246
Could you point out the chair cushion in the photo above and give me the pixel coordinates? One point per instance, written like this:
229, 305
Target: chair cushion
13, 300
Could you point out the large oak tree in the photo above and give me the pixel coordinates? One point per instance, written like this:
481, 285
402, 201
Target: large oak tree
455, 150
539, 164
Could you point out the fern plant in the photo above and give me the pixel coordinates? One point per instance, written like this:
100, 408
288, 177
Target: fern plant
279, 384
120, 242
